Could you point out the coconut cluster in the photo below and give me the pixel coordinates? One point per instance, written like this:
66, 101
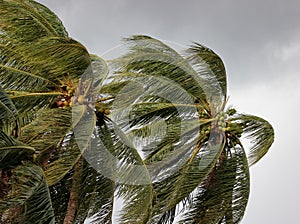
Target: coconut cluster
101, 108
66, 99
221, 121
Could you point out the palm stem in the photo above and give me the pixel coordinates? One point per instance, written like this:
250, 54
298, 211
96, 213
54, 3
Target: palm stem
72, 204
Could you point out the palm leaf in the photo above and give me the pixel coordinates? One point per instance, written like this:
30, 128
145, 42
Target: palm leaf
83, 122
47, 132
113, 155
37, 57
209, 65
96, 193
26, 21
261, 134
153, 58
73, 142
12, 152
63, 160
42, 65
8, 110
223, 196
193, 164
30, 195
28, 103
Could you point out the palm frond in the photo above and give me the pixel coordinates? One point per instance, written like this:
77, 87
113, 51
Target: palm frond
29, 194
191, 168
222, 197
209, 65
63, 160
17, 71
261, 134
74, 140
81, 124
96, 194
31, 102
26, 21
12, 152
55, 57
153, 58
151, 96
43, 64
8, 110
47, 132
113, 155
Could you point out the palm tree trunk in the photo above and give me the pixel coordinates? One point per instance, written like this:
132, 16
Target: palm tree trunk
72, 204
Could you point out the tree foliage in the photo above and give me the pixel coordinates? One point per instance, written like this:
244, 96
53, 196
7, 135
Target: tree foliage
151, 128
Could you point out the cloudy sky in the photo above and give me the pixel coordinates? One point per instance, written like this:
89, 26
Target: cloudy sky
259, 41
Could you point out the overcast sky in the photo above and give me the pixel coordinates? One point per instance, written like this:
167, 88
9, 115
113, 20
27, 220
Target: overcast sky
259, 41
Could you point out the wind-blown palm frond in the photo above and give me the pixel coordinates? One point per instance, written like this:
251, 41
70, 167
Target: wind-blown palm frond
209, 65
8, 115
47, 132
13, 152
223, 196
83, 120
42, 65
28, 201
8, 110
118, 160
30, 102
190, 168
41, 73
27, 21
96, 195
261, 134
153, 58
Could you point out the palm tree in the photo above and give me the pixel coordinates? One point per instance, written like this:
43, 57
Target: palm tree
40, 68
155, 131
199, 164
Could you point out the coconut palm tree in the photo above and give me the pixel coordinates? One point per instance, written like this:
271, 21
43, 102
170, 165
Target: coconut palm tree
198, 164
151, 128
40, 68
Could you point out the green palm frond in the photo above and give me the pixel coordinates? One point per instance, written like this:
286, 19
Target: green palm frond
50, 134
261, 134
118, 160
8, 110
38, 59
18, 71
151, 57
47, 131
54, 57
62, 161
96, 194
79, 123
144, 106
209, 65
28, 197
223, 196
13, 152
26, 21
42, 65
28, 103
73, 141
191, 168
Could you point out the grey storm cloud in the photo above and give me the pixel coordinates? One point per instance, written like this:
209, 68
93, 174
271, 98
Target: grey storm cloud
259, 41
242, 32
